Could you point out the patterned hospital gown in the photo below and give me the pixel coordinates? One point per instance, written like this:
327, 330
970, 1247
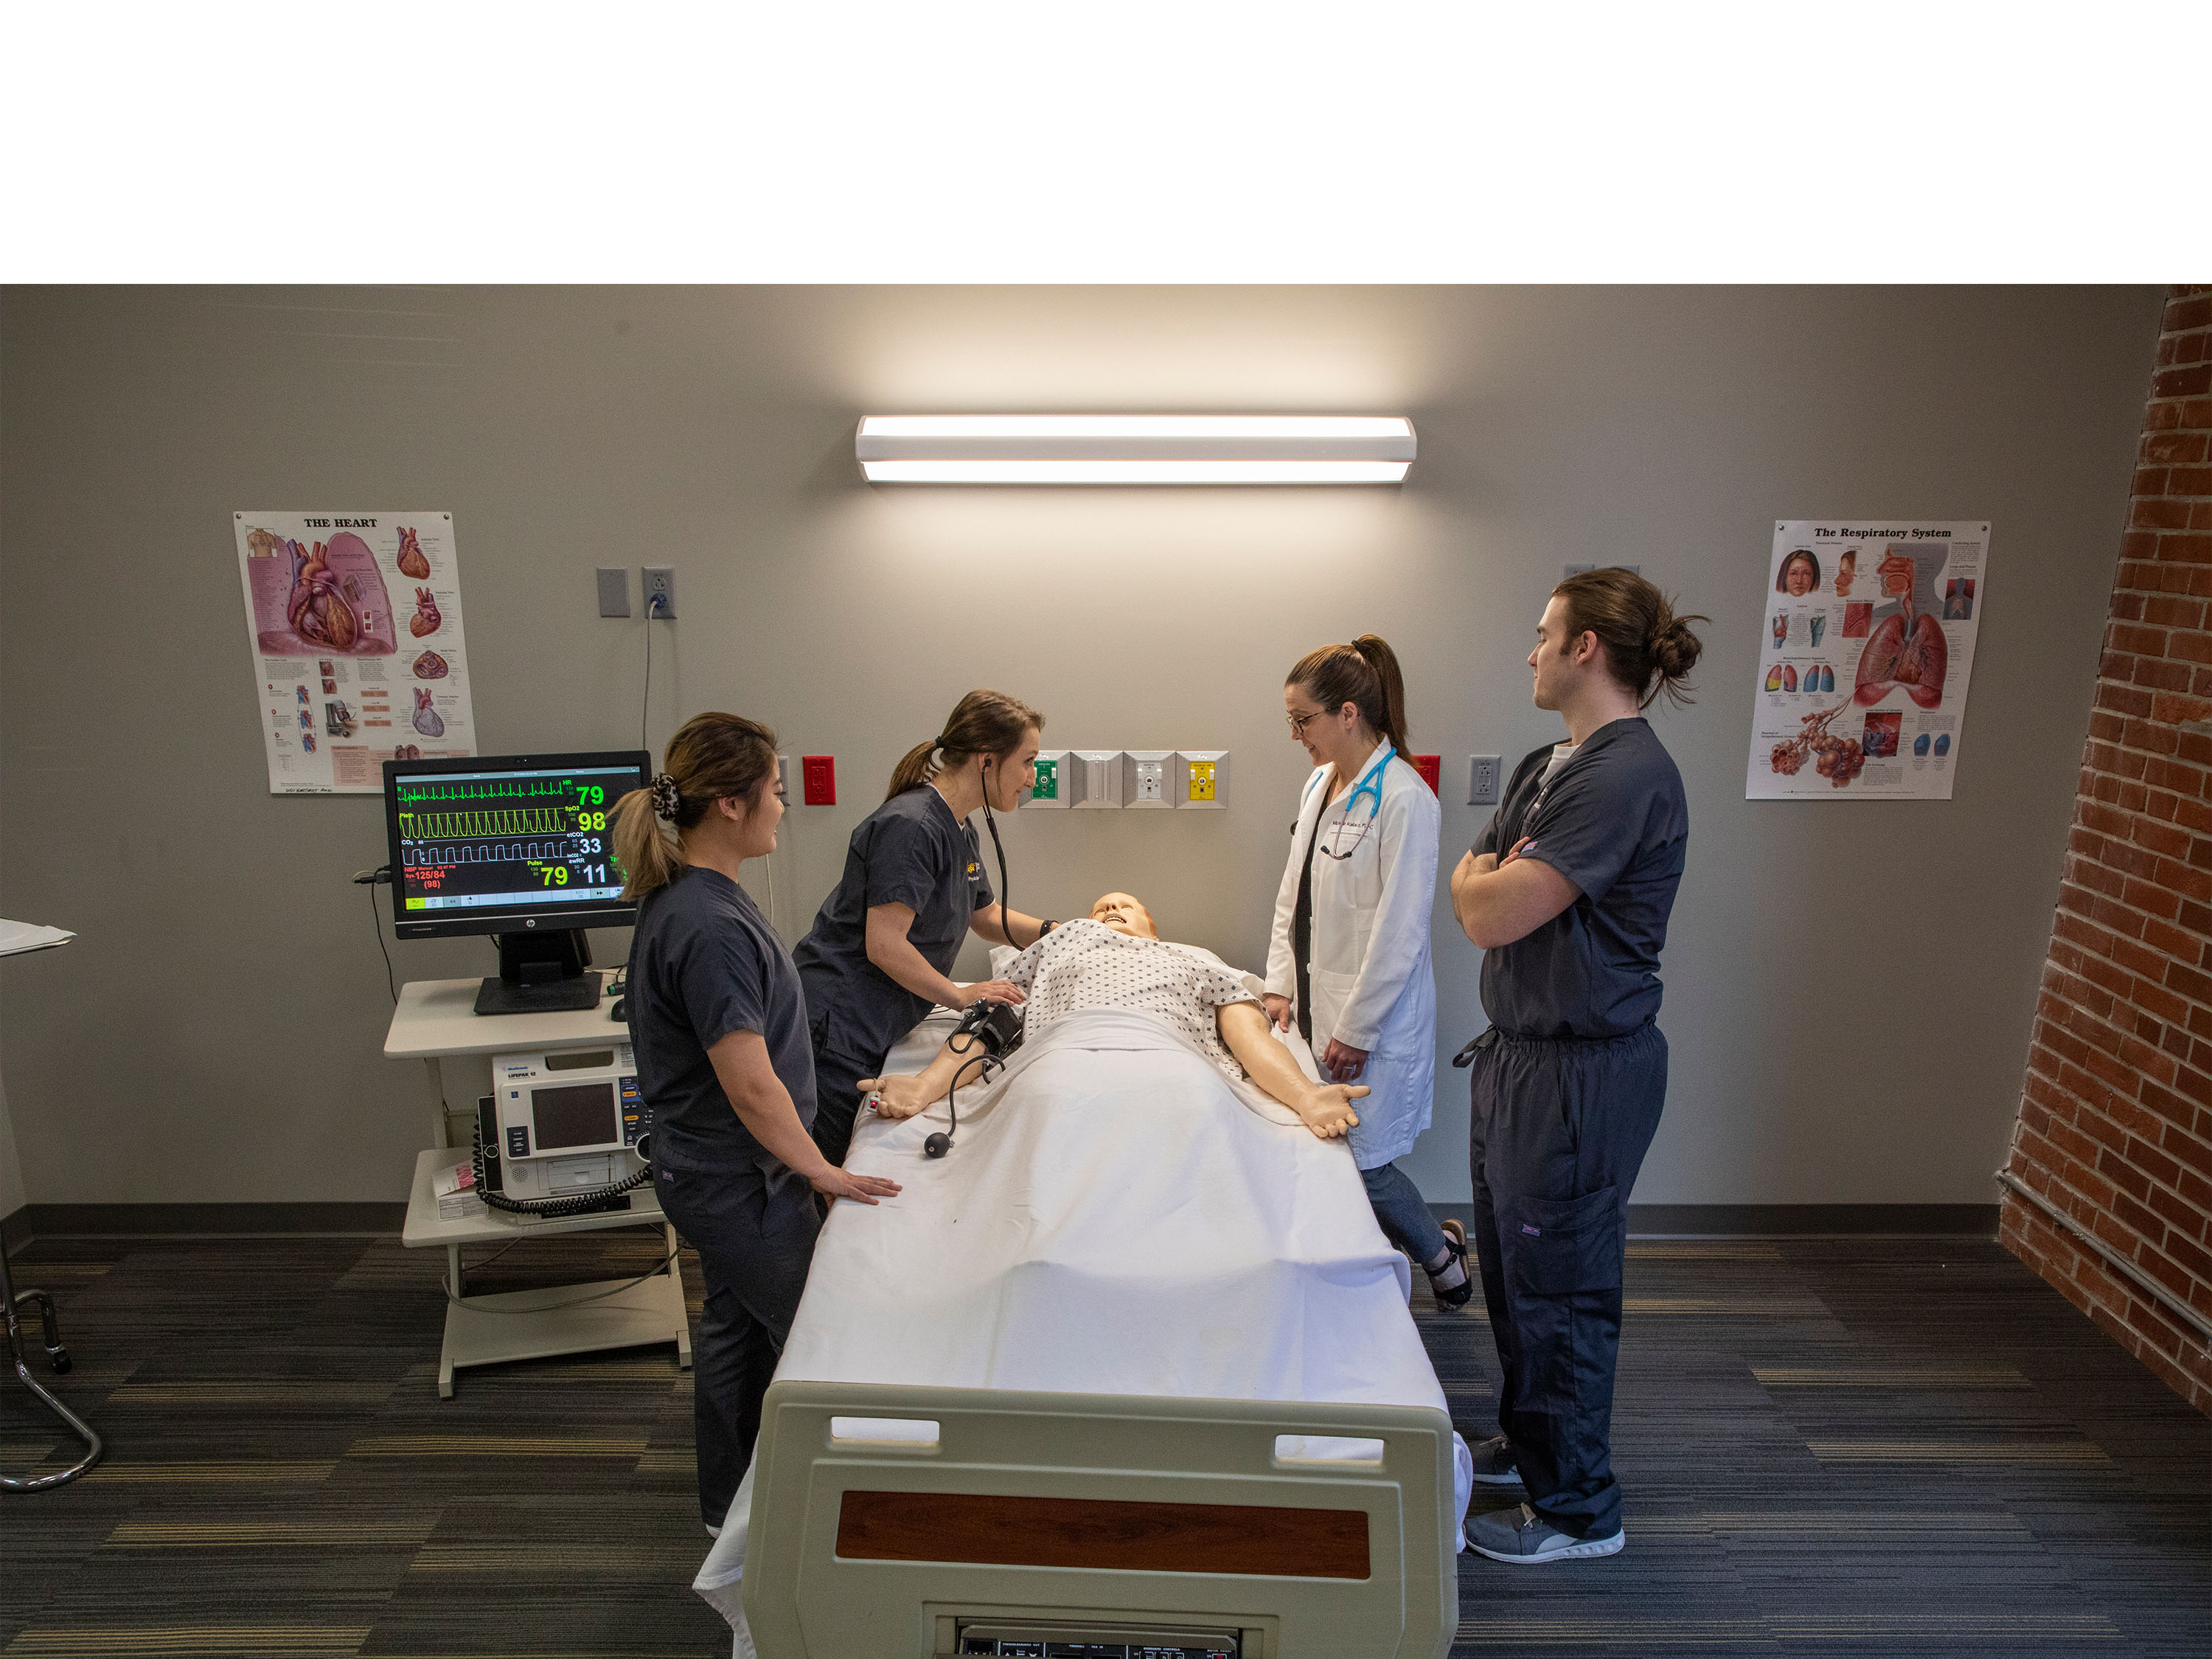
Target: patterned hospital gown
1086, 964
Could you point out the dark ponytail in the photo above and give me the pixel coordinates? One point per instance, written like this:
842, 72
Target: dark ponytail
1364, 674
713, 757
1644, 641
984, 723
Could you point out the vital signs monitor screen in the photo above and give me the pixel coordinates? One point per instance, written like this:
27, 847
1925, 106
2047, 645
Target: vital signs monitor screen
499, 838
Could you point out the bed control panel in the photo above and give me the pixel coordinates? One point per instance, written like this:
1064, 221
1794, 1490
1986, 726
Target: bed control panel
1052, 1640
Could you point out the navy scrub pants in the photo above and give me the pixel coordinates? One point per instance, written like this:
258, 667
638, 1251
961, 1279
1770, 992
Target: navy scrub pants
837, 1099
1560, 1130
755, 1232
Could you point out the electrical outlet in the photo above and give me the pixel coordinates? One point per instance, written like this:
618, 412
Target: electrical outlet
1431, 769
1200, 779
1053, 784
659, 592
783, 777
1145, 778
820, 773
1482, 775
613, 590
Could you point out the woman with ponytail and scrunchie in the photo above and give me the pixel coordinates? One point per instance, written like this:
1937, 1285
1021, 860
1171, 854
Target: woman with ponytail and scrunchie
881, 950
718, 1023
1349, 959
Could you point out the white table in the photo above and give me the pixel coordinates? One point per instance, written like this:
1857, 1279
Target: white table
435, 1020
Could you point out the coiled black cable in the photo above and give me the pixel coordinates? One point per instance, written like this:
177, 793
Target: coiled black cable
552, 1209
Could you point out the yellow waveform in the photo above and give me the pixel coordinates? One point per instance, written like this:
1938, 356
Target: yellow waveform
461, 826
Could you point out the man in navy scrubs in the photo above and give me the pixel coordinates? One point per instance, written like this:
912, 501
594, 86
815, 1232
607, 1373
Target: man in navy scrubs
1568, 892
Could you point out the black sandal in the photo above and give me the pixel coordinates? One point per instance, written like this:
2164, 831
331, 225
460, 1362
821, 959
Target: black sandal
1463, 1292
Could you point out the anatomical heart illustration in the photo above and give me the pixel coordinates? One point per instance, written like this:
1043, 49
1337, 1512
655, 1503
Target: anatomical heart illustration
314, 598
412, 562
367, 606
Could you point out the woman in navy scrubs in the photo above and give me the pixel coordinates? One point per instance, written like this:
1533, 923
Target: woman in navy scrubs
1568, 892
878, 956
718, 1022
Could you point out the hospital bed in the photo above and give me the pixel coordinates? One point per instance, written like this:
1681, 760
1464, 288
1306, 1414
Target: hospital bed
1129, 1372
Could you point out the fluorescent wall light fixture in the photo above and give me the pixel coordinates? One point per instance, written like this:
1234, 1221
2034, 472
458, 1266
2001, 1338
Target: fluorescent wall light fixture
1134, 449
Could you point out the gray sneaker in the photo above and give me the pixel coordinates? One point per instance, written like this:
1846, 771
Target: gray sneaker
1494, 1463
1521, 1537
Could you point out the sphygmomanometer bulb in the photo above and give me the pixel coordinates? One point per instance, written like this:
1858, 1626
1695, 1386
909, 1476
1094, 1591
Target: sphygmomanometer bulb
937, 1145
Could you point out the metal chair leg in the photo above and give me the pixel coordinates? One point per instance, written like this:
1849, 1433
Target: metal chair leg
58, 1357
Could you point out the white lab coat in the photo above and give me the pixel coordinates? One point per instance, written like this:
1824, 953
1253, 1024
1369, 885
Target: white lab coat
1372, 984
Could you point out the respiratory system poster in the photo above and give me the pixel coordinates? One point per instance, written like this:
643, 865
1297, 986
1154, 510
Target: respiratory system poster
354, 621
1870, 639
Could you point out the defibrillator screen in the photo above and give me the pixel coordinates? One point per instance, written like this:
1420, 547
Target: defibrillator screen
580, 1114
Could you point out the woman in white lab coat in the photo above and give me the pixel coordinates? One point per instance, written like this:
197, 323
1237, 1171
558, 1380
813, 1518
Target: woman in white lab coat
1349, 960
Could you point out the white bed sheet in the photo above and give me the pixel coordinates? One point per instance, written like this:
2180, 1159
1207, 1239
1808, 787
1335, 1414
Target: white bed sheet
1114, 1217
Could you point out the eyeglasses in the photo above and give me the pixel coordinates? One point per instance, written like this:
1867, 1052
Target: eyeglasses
1299, 722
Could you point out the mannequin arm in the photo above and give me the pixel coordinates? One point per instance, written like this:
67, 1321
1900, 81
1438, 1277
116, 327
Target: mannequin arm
1325, 1107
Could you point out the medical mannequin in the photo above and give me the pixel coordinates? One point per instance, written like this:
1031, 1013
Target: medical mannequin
1349, 958
1325, 1109
718, 1023
1568, 891
878, 956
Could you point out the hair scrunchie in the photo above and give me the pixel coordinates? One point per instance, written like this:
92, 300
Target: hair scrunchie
667, 799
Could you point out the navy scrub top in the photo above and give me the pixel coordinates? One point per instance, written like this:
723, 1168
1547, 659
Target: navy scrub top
910, 851
1613, 820
704, 962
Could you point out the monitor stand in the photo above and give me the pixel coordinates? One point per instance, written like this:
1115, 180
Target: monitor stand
541, 972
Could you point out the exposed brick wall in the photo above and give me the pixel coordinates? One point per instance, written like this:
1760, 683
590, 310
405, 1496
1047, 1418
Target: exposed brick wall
2116, 1115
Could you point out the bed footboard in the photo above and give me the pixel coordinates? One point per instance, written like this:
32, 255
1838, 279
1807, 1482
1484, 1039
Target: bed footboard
919, 1523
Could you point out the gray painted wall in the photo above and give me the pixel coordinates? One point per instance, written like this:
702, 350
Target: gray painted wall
1851, 984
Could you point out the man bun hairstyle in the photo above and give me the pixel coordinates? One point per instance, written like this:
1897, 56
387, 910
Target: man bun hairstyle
1366, 674
1648, 648
983, 723
714, 758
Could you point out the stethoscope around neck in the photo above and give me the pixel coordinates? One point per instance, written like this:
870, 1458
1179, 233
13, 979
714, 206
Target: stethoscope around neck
1370, 783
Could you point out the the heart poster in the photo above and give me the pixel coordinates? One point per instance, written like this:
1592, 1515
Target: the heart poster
1867, 643
355, 622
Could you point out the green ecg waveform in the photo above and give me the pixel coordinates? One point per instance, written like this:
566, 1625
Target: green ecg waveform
460, 826
518, 789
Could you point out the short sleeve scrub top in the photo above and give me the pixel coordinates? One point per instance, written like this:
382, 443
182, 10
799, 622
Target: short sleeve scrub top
703, 963
911, 850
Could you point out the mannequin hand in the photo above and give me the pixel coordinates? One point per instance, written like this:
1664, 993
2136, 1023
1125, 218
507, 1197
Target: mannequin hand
898, 1097
1279, 1009
1328, 1109
840, 1183
998, 990
1342, 1062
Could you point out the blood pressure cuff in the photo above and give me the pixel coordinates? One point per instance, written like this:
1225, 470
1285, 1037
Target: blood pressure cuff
1562, 1246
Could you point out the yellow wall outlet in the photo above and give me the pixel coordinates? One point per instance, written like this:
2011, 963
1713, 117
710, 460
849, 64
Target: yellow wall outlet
1202, 780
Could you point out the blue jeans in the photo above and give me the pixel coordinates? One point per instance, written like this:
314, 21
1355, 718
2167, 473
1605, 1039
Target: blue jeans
1405, 1215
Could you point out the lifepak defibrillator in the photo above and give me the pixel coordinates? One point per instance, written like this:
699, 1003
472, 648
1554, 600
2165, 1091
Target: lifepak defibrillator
563, 1124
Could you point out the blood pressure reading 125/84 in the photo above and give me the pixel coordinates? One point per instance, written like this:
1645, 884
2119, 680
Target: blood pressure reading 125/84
474, 840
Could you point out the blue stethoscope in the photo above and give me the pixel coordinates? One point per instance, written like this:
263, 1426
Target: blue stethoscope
1370, 783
